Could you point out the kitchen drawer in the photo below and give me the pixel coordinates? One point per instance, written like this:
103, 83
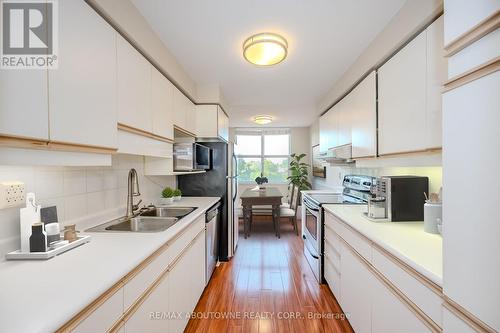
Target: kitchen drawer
332, 254
180, 243
362, 245
332, 238
453, 324
329, 220
427, 299
140, 282
332, 277
104, 316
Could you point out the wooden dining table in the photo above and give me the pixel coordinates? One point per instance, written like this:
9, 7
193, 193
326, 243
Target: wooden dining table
269, 196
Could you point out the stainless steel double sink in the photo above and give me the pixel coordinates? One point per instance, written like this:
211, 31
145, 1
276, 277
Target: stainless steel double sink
153, 219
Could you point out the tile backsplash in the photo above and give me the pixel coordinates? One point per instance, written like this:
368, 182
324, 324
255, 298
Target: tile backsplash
77, 192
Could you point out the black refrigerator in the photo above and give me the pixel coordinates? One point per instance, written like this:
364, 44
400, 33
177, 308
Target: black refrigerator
212, 183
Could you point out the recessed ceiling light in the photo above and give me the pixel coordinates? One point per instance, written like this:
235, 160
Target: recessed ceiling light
262, 120
265, 49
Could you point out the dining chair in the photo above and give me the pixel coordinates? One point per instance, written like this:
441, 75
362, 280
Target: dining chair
291, 211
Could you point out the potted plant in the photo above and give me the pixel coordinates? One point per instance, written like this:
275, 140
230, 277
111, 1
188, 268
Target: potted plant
299, 175
177, 194
261, 180
167, 196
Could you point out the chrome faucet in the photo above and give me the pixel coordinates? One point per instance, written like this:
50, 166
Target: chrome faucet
133, 191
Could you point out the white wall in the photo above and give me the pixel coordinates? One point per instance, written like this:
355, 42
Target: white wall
412, 17
77, 192
130, 21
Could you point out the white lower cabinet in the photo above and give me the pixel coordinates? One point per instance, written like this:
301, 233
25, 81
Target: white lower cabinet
355, 291
453, 324
103, 318
169, 305
197, 264
185, 285
152, 315
162, 295
332, 277
390, 314
370, 287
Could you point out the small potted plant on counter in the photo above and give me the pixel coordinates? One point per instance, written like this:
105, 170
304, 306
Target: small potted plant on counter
167, 196
177, 194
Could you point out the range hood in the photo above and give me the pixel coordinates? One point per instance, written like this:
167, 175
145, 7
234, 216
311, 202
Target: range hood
339, 155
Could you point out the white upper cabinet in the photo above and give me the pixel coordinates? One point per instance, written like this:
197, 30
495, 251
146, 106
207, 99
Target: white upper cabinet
401, 100
162, 101
461, 16
211, 122
364, 118
134, 87
328, 130
179, 109
82, 91
343, 112
223, 124
353, 120
23, 104
191, 117
409, 95
185, 112
437, 69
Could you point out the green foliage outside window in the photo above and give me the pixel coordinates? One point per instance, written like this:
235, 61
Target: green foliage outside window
275, 169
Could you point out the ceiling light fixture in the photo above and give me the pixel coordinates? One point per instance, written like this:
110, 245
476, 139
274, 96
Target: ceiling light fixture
265, 49
262, 120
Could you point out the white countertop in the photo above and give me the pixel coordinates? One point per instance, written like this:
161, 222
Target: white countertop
406, 240
41, 296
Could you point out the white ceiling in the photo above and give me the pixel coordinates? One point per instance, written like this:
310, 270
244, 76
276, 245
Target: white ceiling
324, 37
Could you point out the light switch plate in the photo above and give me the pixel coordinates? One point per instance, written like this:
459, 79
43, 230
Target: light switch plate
12, 194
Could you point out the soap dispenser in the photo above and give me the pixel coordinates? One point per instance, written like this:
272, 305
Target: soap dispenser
28, 216
38, 238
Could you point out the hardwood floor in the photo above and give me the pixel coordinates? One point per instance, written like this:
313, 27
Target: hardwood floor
267, 287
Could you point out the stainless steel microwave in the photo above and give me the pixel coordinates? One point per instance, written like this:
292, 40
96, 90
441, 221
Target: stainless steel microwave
191, 157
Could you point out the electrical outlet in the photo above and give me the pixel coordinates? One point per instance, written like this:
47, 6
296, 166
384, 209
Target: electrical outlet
12, 194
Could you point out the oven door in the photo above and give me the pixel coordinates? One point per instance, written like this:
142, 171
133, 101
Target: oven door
312, 238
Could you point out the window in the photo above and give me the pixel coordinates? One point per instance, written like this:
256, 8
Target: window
262, 152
